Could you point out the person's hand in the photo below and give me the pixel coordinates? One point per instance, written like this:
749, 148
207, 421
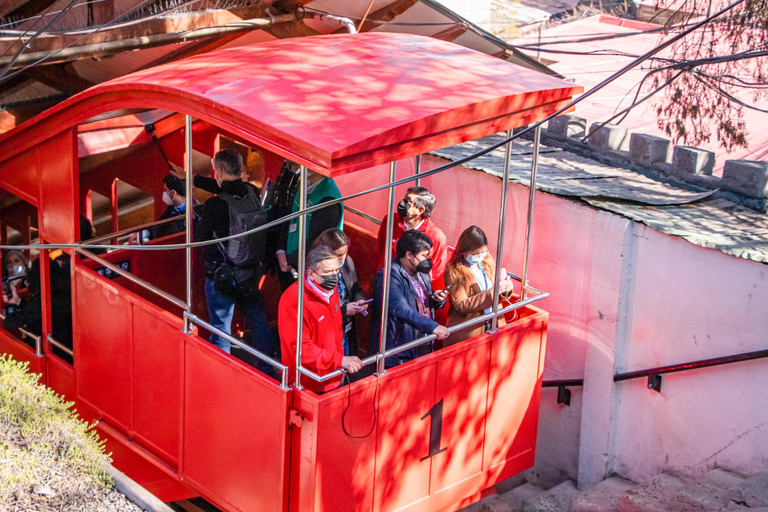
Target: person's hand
440, 296
14, 297
441, 332
282, 260
507, 285
177, 171
351, 364
354, 308
133, 239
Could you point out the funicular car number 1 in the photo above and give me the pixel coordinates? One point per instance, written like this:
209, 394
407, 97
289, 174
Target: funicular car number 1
436, 429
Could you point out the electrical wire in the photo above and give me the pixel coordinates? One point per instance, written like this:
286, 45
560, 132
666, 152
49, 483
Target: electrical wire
647, 55
4, 77
40, 16
349, 403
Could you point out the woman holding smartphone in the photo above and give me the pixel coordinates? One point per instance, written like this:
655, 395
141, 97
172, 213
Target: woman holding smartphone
350, 293
469, 279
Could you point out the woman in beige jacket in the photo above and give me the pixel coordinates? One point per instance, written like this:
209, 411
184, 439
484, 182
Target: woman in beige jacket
470, 278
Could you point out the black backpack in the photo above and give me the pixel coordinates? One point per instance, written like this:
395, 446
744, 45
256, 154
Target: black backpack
244, 215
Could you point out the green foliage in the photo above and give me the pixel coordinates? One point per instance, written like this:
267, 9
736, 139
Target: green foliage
51, 460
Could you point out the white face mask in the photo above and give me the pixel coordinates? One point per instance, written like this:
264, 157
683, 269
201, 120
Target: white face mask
18, 270
475, 259
167, 199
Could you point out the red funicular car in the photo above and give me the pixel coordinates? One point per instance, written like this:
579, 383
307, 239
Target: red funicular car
182, 417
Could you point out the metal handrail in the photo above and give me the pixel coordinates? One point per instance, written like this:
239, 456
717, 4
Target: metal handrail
38, 347
133, 278
362, 214
280, 366
425, 339
693, 365
562, 382
53, 341
127, 231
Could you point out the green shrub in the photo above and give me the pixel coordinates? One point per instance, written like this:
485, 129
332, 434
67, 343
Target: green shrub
49, 458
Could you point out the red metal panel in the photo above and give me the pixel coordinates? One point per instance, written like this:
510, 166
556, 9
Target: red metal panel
235, 431
104, 348
61, 377
514, 393
402, 473
462, 384
406, 93
330, 470
59, 200
20, 176
157, 359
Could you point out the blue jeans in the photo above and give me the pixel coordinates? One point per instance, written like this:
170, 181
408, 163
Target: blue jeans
220, 310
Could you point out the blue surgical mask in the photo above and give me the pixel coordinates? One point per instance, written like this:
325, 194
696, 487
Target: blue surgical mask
342, 262
475, 259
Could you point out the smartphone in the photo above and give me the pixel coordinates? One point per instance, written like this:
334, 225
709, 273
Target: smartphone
366, 302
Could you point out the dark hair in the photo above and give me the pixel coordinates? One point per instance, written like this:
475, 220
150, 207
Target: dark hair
334, 238
424, 199
229, 161
470, 239
413, 241
175, 184
86, 228
318, 254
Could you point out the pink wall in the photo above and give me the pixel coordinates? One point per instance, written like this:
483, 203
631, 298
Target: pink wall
623, 297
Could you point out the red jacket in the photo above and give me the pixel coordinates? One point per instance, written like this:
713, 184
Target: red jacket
439, 245
321, 349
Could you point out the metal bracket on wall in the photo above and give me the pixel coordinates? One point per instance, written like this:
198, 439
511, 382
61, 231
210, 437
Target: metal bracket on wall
654, 382
563, 395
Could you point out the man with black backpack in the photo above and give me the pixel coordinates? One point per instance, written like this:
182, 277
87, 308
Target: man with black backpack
233, 268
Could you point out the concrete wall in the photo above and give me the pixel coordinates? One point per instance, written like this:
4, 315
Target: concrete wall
623, 297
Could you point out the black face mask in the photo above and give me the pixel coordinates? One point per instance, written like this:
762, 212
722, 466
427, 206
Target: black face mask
424, 266
402, 208
329, 281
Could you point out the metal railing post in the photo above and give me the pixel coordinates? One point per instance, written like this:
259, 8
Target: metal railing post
188, 214
302, 271
380, 369
529, 221
417, 171
500, 244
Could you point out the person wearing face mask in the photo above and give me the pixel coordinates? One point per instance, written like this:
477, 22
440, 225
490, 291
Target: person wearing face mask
16, 276
225, 282
321, 345
174, 197
412, 302
349, 290
414, 211
470, 276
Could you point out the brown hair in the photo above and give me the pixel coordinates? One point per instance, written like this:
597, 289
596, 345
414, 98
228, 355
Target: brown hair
470, 239
333, 238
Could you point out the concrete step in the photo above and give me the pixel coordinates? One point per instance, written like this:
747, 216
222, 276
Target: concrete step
510, 501
603, 497
651, 497
753, 492
557, 499
710, 493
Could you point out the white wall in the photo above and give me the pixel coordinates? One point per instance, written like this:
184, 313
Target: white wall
623, 297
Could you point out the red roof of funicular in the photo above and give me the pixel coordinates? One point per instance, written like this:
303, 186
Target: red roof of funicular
335, 103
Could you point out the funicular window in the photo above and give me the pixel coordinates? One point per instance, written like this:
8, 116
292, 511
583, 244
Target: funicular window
21, 280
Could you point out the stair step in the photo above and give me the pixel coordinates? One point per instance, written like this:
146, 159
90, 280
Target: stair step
557, 499
603, 497
753, 492
711, 492
651, 497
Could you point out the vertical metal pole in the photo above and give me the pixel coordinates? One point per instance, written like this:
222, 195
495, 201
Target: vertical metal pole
302, 271
114, 210
417, 171
188, 213
531, 197
380, 370
500, 244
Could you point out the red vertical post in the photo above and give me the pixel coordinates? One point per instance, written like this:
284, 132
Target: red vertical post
3, 236
115, 218
26, 235
89, 206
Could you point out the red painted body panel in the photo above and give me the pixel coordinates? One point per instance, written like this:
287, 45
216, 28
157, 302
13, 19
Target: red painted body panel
235, 431
59, 206
488, 430
19, 175
336, 103
20, 351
